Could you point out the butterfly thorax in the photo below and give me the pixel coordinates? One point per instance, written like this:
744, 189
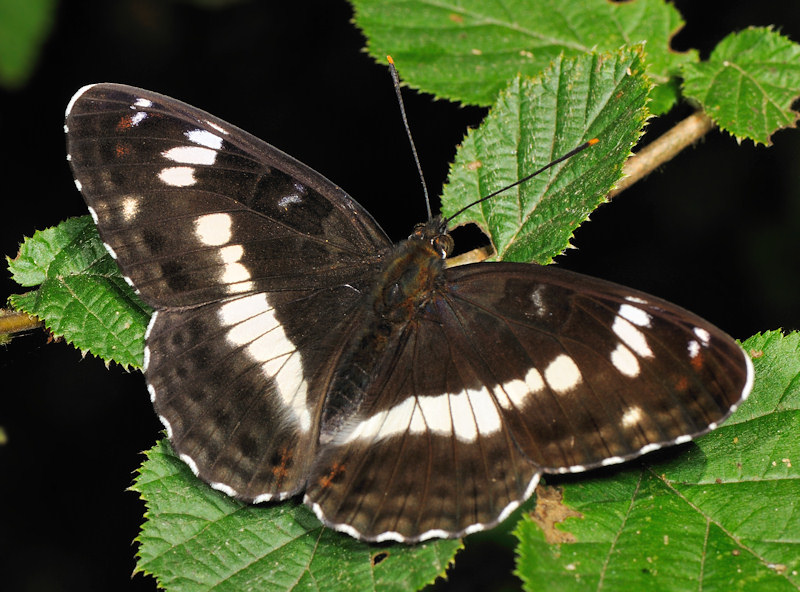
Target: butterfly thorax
411, 274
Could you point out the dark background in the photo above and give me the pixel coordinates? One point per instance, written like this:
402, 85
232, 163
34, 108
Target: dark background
715, 230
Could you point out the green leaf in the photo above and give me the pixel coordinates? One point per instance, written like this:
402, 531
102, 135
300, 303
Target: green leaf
468, 50
534, 121
748, 84
724, 515
24, 26
81, 295
196, 538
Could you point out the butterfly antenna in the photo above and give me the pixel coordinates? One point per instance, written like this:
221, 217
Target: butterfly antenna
569, 154
396, 81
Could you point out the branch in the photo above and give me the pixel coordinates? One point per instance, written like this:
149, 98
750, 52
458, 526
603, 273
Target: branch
663, 149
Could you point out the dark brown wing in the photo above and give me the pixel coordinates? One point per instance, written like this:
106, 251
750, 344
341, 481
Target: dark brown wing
511, 370
253, 263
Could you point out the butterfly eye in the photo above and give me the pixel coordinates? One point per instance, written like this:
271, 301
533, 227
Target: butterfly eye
419, 230
443, 244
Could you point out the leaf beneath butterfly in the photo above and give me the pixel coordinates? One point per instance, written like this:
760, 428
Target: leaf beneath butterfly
534, 121
723, 515
198, 539
748, 84
80, 293
468, 51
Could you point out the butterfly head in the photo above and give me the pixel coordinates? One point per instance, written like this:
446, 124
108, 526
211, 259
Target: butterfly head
434, 231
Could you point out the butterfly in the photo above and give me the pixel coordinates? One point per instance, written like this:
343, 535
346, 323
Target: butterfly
295, 349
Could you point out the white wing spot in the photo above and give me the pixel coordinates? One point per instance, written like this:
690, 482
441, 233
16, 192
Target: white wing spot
93, 214
484, 411
635, 300
213, 229
465, 415
703, 335
231, 253
111, 251
181, 176
204, 138
150, 325
635, 315
537, 298
632, 416
632, 337
191, 155
649, 448
226, 489
562, 374
288, 200
143, 103
167, 427
190, 462
216, 127
130, 207
235, 272
464, 421
78, 185
625, 361
693, 349
515, 393
138, 118
253, 327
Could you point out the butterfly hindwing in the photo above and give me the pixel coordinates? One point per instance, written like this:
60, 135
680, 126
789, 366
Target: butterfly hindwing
428, 453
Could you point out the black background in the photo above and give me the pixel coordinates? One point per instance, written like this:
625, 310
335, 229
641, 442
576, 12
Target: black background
716, 230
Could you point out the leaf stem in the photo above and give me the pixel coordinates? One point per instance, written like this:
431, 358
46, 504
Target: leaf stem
663, 149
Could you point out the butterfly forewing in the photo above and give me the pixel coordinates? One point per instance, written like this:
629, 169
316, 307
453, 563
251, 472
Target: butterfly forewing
294, 349
195, 209
252, 261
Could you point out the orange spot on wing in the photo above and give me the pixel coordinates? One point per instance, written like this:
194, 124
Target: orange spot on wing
328, 479
124, 123
281, 471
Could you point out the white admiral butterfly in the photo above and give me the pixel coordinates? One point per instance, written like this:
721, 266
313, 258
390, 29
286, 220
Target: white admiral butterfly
295, 349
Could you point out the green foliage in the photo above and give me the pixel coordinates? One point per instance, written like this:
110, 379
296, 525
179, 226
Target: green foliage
748, 84
197, 539
534, 121
723, 515
81, 295
24, 26
467, 51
